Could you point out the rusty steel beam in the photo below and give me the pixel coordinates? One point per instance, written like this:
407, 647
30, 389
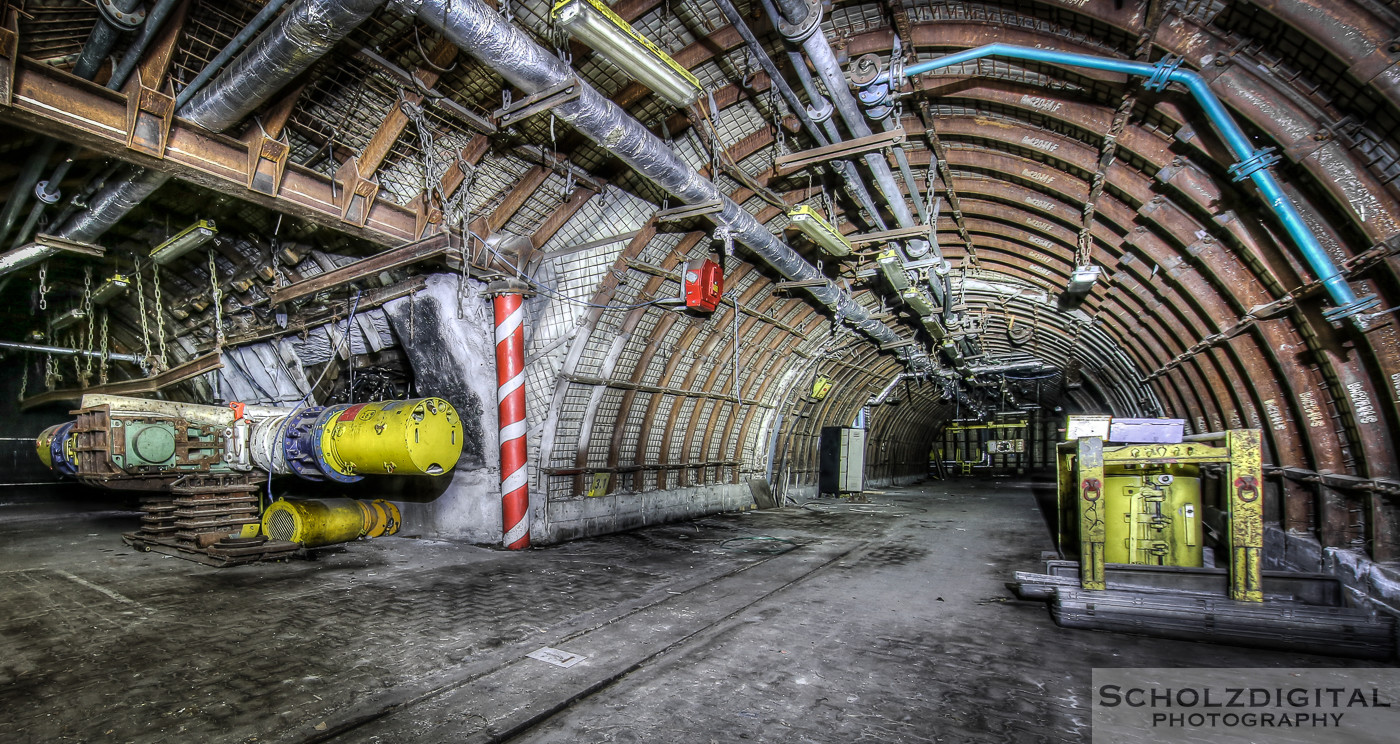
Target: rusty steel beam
434, 246
54, 103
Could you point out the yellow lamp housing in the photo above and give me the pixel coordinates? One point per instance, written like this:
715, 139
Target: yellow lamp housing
115, 286
893, 269
184, 241
596, 25
916, 301
821, 232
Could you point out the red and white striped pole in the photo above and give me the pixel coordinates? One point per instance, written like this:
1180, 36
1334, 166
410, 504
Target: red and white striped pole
510, 401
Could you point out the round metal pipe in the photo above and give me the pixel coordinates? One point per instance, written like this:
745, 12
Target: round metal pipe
1347, 303
103, 37
230, 49
61, 351
296, 40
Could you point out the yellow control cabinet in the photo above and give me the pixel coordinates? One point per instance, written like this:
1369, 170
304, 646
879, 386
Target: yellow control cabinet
1153, 517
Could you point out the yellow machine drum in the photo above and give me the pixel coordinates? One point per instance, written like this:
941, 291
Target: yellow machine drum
318, 522
1154, 517
404, 437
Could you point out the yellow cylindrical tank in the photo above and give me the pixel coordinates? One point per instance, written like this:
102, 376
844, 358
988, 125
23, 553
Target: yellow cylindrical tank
1154, 517
405, 437
319, 522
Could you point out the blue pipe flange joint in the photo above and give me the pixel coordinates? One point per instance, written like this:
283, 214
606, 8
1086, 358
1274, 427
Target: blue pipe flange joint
300, 445
316, 431
123, 20
1161, 75
820, 110
1257, 161
58, 452
1333, 314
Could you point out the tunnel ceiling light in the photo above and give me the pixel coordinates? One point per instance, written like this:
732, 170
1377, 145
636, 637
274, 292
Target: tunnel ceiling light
184, 241
1083, 280
893, 269
115, 286
68, 318
596, 25
917, 301
821, 232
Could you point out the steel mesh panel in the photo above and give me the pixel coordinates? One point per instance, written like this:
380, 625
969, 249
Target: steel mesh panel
678, 432
636, 416
548, 197
665, 29
605, 419
704, 409
56, 30
722, 415
208, 29
570, 421
330, 113
657, 432
855, 19
561, 487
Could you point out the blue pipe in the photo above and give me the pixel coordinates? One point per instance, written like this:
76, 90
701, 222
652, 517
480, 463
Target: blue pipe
1253, 164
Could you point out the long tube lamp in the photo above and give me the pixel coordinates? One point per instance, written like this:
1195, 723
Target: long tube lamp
596, 25
893, 270
821, 232
184, 241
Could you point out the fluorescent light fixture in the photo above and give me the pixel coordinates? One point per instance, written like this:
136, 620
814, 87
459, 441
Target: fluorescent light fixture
821, 232
1082, 280
596, 25
68, 318
893, 269
916, 301
935, 328
184, 241
115, 286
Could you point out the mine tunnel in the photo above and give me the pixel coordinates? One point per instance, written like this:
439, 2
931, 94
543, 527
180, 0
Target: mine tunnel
698, 370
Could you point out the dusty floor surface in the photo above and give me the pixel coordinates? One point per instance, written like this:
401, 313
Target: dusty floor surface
885, 622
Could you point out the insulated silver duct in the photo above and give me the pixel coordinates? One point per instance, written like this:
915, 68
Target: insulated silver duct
296, 40
301, 36
112, 203
481, 32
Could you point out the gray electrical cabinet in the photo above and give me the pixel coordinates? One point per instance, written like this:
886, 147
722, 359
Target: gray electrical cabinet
842, 460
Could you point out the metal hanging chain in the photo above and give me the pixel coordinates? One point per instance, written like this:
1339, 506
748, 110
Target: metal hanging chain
24, 380
87, 310
218, 297
77, 360
44, 285
102, 366
278, 280
141, 310
164, 361
51, 374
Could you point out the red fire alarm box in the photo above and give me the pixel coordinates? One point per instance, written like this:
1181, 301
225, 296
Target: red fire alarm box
704, 283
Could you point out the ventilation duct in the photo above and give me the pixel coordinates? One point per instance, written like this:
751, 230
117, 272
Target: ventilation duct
480, 31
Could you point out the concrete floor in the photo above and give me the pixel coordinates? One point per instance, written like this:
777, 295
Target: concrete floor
884, 621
